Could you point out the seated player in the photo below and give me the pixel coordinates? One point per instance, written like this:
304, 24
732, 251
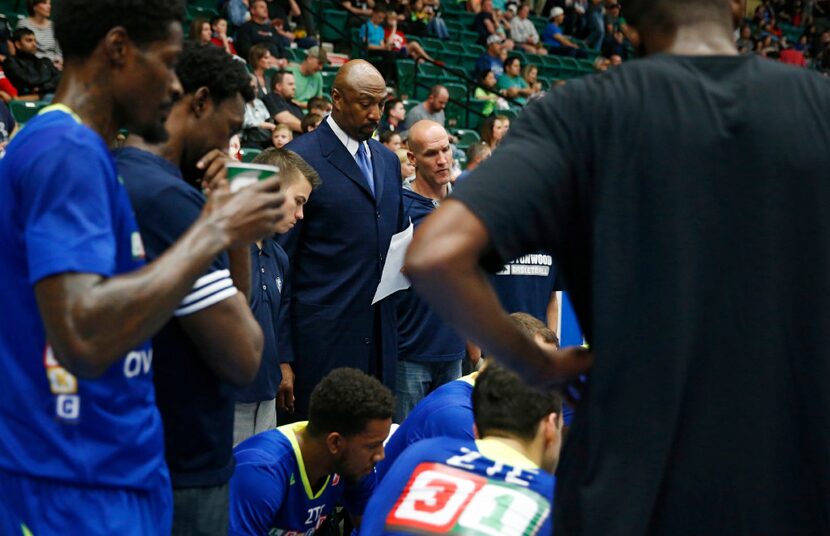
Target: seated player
499, 484
289, 480
448, 411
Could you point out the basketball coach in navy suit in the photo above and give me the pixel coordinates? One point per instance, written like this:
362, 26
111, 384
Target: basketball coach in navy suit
338, 250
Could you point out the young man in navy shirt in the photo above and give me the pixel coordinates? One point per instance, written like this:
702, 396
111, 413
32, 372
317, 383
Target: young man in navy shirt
256, 404
78, 420
429, 351
501, 483
289, 480
213, 343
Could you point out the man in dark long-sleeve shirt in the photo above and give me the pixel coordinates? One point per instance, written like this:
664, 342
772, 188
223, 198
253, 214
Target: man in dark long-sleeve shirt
259, 30
29, 74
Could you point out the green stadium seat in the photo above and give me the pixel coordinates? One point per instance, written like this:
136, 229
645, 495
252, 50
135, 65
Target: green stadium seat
408, 104
328, 81
296, 55
196, 11
406, 77
466, 138
332, 25
22, 111
456, 114
248, 154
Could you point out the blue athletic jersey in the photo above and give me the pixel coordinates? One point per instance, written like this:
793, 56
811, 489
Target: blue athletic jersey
447, 411
525, 285
63, 209
271, 494
458, 486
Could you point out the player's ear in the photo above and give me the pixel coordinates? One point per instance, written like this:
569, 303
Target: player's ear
551, 427
201, 102
336, 443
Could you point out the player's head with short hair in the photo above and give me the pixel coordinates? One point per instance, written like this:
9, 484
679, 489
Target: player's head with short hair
535, 328
664, 17
352, 413
126, 50
505, 406
81, 25
212, 108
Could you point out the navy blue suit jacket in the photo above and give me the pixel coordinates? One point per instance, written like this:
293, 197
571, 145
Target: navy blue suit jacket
336, 256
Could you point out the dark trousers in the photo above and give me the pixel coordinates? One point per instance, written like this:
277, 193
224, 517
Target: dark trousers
201, 511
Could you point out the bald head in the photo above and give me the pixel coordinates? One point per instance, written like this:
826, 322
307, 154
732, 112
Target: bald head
357, 95
431, 154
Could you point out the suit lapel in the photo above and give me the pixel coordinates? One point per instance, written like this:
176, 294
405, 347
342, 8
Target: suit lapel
339, 157
374, 148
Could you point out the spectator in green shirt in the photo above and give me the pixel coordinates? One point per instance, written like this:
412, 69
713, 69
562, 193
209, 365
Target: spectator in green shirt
307, 76
511, 84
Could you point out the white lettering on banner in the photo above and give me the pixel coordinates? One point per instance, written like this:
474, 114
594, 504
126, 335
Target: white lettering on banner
536, 264
138, 362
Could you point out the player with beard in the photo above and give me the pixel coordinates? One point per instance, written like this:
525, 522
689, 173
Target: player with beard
289, 480
82, 444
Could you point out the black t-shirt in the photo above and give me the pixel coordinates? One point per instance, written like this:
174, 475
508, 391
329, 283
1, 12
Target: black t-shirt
685, 201
276, 104
481, 28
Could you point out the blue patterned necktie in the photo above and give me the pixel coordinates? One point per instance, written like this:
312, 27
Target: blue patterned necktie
365, 166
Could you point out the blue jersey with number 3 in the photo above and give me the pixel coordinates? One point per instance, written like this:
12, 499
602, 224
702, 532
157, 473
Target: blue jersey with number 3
450, 486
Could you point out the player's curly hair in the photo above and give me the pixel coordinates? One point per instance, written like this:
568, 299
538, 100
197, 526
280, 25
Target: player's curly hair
345, 401
504, 404
211, 67
79, 25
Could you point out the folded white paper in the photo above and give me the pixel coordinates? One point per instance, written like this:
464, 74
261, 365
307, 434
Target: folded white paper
392, 280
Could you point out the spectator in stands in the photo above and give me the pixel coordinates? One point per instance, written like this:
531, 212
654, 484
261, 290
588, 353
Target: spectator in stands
7, 126
29, 74
260, 30
524, 33
595, 24
493, 58
281, 136
219, 37
556, 40
288, 38
394, 117
511, 84
396, 40
372, 33
745, 43
488, 92
200, 31
280, 102
486, 25
359, 11
307, 77
429, 352
616, 45
792, 56
257, 124
476, 154
310, 122
493, 130
39, 23
531, 75
213, 343
260, 60
391, 140
256, 404
336, 451
407, 169
319, 105
432, 108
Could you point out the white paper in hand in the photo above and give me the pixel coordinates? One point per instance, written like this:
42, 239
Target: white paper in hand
392, 280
